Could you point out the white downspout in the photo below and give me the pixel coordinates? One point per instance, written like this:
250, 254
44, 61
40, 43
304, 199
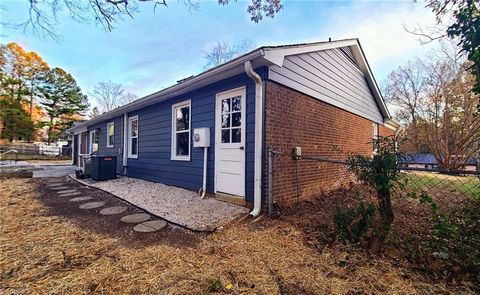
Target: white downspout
74, 142
125, 143
257, 200
204, 183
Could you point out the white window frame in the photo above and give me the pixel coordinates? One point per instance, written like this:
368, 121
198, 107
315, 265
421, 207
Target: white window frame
110, 144
375, 137
130, 120
90, 141
173, 152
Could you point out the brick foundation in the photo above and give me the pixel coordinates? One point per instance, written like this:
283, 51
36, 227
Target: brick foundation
296, 119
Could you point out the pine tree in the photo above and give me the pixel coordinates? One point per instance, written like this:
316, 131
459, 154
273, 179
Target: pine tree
62, 100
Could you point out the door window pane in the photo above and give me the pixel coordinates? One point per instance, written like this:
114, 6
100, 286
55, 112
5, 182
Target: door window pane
226, 136
226, 105
236, 119
225, 120
237, 103
236, 135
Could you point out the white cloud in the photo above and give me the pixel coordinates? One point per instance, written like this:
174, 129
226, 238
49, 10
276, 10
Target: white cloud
382, 34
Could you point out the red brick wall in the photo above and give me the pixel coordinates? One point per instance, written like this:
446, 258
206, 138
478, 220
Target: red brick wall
296, 119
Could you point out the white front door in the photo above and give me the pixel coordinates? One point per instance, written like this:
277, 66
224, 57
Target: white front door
230, 142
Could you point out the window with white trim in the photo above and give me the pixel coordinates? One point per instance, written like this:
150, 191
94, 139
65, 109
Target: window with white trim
110, 134
133, 137
375, 142
181, 131
93, 146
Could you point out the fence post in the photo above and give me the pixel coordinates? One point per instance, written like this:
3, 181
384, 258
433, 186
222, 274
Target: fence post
271, 153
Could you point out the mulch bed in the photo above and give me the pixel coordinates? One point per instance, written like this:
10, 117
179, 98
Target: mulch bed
109, 225
407, 242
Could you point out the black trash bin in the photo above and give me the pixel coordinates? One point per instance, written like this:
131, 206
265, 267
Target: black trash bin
103, 167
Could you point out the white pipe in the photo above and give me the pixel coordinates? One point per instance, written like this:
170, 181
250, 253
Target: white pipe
74, 142
125, 142
204, 186
257, 197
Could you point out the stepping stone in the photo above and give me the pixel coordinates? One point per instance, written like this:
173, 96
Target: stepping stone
80, 199
92, 205
67, 191
113, 210
59, 188
69, 194
150, 226
135, 218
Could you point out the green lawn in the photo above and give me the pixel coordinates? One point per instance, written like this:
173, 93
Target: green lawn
435, 183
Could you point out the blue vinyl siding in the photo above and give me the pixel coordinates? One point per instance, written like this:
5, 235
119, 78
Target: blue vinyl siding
155, 133
117, 148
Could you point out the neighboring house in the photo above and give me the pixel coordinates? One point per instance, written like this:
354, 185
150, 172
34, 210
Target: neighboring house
315, 96
428, 161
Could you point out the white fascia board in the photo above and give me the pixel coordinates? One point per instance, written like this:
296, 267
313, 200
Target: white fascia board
79, 129
365, 68
392, 124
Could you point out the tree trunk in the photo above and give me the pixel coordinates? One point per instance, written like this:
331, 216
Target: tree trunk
386, 220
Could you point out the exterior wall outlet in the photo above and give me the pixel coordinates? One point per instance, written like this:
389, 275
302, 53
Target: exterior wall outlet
297, 153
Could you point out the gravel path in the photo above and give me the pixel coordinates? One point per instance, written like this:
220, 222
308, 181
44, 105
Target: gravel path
174, 204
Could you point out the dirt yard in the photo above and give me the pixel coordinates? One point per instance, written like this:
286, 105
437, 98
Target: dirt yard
49, 250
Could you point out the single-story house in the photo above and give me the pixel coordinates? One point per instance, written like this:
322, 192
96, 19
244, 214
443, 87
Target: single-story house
314, 96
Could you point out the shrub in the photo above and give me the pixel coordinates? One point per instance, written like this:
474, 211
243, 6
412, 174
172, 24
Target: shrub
352, 224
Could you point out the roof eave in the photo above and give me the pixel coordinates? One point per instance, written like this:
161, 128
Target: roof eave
177, 89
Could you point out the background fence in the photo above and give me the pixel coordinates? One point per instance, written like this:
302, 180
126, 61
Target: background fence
32, 152
291, 180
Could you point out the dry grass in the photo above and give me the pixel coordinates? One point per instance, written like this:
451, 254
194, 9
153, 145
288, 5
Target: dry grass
43, 254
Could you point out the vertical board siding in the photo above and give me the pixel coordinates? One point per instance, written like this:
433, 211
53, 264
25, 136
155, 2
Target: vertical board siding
155, 134
329, 76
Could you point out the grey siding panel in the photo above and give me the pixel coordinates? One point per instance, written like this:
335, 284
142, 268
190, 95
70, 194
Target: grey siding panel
331, 77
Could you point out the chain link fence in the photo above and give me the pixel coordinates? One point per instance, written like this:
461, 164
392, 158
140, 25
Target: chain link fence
292, 179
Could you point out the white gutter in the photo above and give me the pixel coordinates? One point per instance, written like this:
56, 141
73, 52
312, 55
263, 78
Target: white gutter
257, 201
125, 143
176, 89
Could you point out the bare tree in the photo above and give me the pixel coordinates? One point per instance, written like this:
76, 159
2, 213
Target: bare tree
43, 15
128, 98
223, 52
405, 91
447, 121
108, 95
434, 98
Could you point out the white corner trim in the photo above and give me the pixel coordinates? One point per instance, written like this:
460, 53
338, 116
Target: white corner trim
173, 156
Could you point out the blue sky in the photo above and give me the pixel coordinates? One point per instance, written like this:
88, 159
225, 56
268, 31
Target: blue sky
153, 51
